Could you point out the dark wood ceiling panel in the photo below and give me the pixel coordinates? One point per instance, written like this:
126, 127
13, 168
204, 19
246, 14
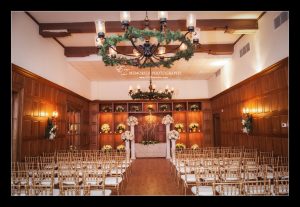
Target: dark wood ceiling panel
215, 49
115, 26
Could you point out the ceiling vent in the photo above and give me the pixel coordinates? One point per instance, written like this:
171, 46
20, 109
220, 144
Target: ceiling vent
280, 19
245, 49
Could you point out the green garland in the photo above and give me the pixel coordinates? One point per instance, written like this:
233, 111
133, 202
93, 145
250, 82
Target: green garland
132, 32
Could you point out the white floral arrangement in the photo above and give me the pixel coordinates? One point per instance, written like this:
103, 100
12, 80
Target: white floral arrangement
179, 126
194, 146
105, 128
180, 146
121, 127
106, 148
173, 134
120, 108
193, 125
247, 123
127, 135
121, 147
132, 120
168, 119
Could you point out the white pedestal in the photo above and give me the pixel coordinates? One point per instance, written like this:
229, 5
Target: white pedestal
168, 141
132, 143
173, 148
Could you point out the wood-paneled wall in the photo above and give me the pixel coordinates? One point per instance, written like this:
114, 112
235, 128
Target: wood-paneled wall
266, 95
40, 96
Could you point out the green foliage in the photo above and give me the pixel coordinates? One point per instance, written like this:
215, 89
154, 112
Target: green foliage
134, 33
151, 95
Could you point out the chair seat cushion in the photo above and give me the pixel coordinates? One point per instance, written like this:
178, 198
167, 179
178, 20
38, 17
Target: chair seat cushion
202, 190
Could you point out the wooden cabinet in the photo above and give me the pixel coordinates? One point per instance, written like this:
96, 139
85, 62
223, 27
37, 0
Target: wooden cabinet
115, 113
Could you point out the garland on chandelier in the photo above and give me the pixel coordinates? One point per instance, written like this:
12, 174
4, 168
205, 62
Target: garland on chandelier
134, 33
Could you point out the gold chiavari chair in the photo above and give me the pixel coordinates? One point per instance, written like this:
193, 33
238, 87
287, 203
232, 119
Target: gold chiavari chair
250, 173
113, 179
203, 186
281, 161
228, 188
230, 174
188, 178
281, 172
74, 190
256, 188
266, 154
32, 159
281, 187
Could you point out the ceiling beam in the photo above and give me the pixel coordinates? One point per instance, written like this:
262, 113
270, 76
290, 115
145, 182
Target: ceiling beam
115, 26
214, 49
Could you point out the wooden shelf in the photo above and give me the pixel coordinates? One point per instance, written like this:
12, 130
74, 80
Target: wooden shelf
185, 116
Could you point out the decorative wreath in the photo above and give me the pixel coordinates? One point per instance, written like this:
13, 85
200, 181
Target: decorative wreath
133, 33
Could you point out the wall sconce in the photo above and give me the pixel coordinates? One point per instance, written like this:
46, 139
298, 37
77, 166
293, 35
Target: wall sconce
246, 111
54, 114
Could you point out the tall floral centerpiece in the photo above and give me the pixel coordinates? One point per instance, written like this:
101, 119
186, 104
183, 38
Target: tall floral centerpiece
132, 121
167, 120
126, 137
247, 123
173, 135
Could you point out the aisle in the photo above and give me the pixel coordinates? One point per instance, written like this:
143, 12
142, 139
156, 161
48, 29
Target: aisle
151, 176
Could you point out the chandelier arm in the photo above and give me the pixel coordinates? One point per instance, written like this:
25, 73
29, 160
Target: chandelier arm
163, 56
135, 47
178, 45
120, 52
155, 57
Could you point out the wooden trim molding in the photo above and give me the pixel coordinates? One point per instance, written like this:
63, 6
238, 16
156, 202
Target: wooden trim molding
262, 73
214, 49
29, 74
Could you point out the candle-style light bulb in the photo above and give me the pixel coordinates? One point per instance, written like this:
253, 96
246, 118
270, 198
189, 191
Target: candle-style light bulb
191, 22
100, 28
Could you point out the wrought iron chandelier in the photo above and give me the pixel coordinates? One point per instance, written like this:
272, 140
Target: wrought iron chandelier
149, 46
152, 94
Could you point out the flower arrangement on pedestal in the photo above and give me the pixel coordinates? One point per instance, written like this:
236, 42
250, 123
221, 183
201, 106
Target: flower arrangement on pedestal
180, 146
121, 148
106, 148
247, 123
105, 128
194, 146
121, 128
120, 108
179, 107
179, 127
168, 119
127, 136
194, 107
193, 127
173, 134
132, 121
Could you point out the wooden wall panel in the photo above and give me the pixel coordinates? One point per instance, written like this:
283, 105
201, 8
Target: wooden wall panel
266, 95
40, 97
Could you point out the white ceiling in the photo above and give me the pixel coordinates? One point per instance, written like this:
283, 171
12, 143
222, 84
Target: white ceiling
200, 66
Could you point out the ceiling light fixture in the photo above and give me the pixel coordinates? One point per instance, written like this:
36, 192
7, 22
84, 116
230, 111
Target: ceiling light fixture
152, 94
150, 47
